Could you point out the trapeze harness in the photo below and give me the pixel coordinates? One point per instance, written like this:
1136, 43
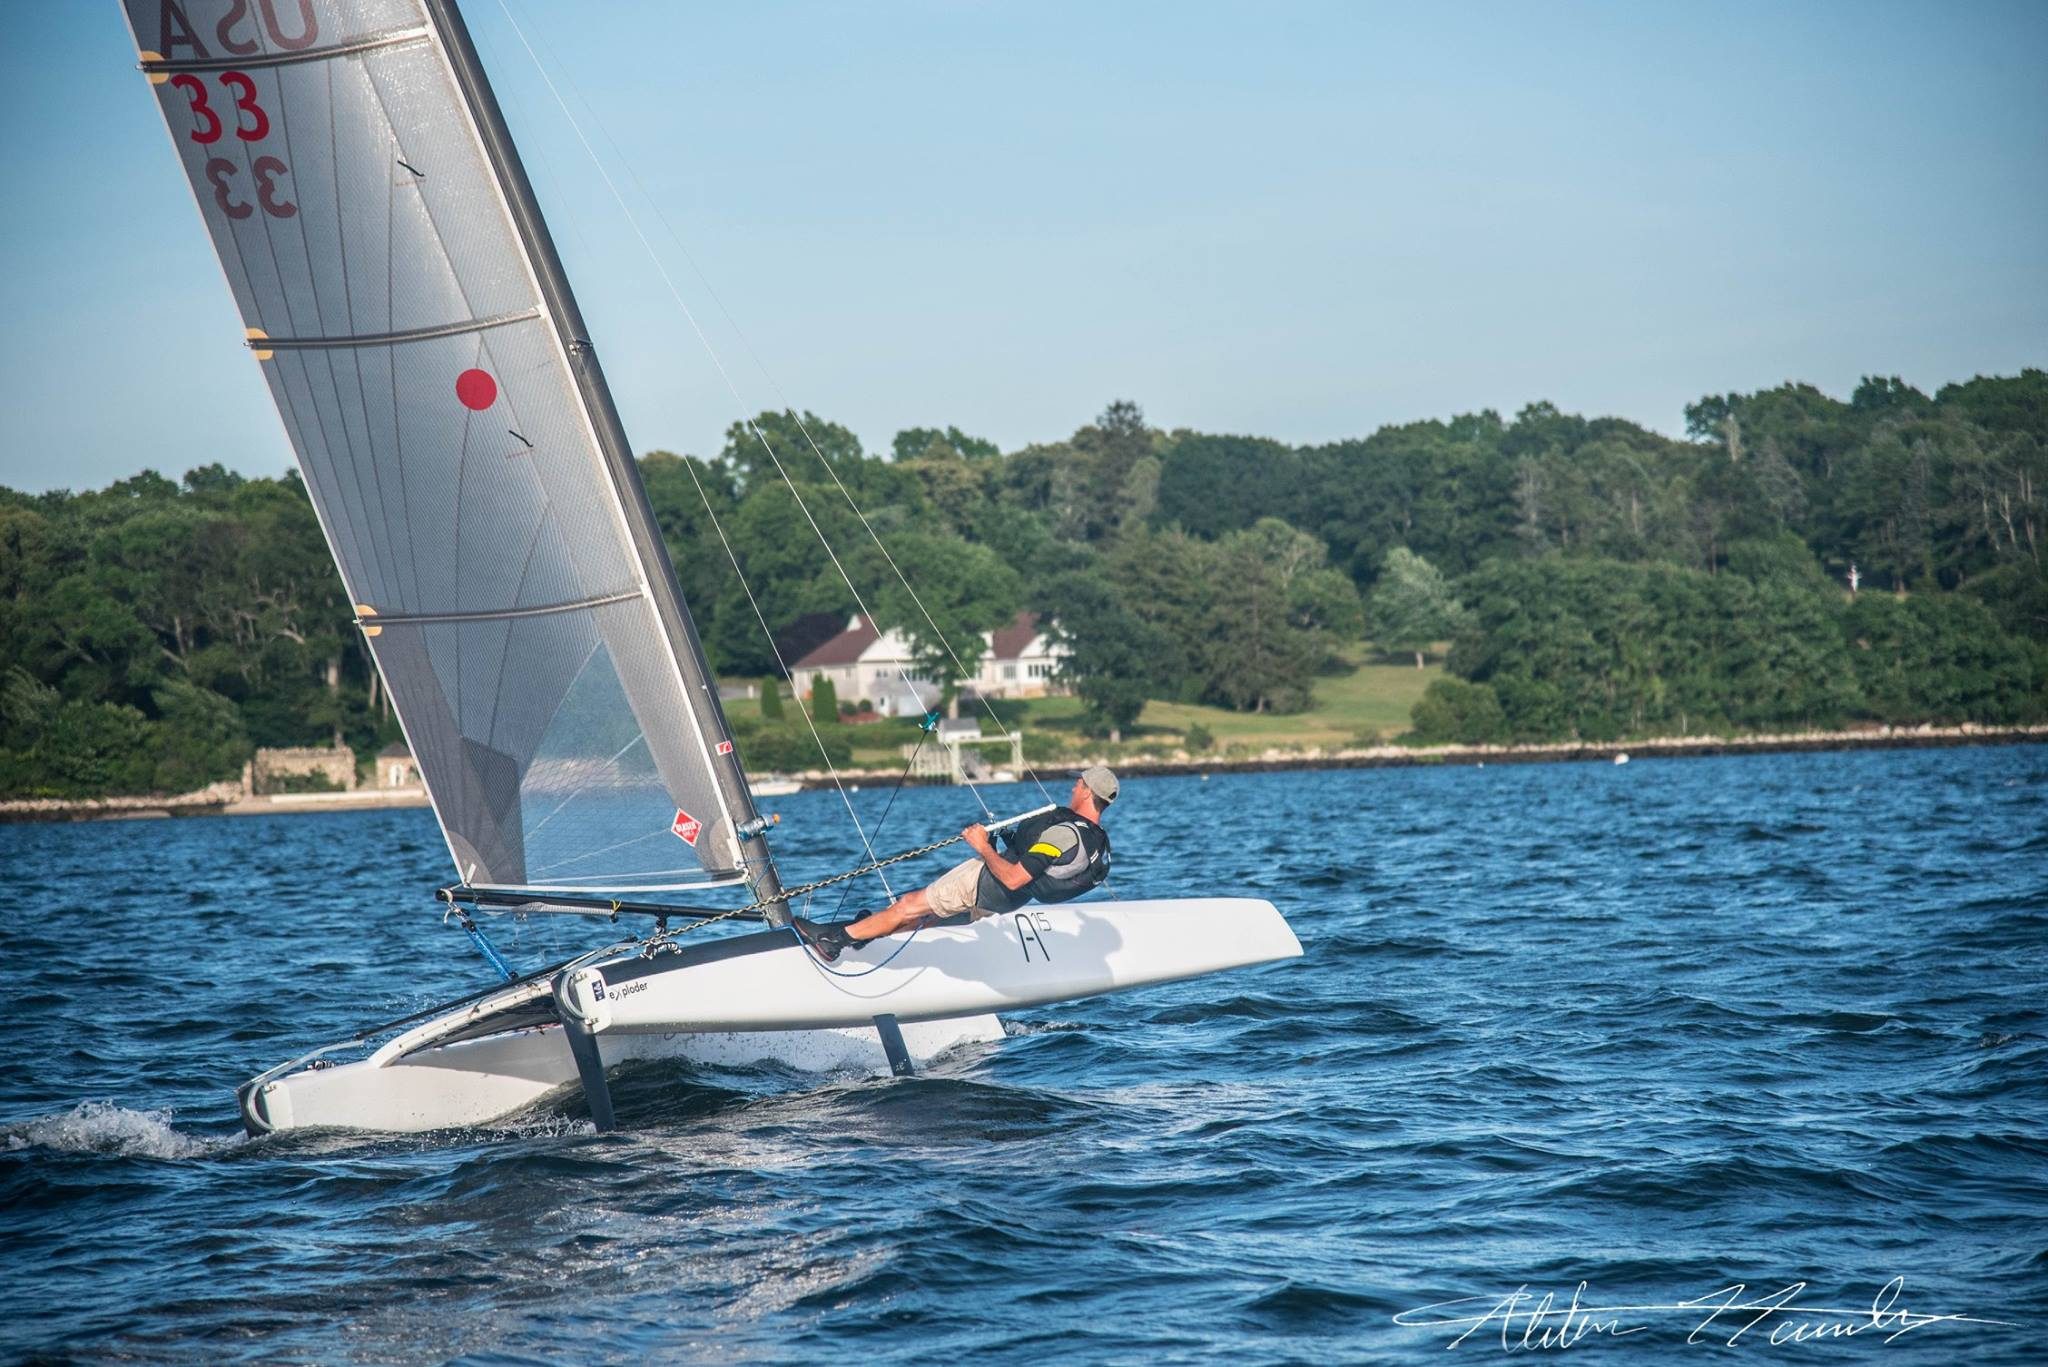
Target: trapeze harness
1072, 872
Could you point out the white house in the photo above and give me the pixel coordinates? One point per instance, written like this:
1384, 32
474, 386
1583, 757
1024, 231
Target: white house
1017, 661
1021, 661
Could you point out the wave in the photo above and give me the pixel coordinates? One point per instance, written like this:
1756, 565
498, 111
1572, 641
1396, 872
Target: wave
102, 1127
1310, 1304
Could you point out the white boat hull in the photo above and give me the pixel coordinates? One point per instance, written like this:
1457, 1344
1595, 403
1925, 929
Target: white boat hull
1026, 958
765, 997
477, 1082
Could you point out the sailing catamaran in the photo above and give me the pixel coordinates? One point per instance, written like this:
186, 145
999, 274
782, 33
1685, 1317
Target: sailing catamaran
400, 291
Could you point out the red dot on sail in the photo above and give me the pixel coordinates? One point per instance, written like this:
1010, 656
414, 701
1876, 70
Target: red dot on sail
476, 389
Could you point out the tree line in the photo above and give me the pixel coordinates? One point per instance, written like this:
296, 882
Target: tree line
1592, 578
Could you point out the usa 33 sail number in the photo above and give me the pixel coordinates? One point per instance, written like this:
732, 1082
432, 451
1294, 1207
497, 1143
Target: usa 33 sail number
234, 106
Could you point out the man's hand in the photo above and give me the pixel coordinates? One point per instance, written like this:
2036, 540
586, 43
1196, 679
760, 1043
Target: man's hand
1008, 872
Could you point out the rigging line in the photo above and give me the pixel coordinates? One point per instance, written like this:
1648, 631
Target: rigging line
592, 854
809, 721
676, 294
747, 345
699, 330
883, 820
875, 537
654, 943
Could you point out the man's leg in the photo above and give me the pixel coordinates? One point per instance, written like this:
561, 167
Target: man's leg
950, 894
901, 914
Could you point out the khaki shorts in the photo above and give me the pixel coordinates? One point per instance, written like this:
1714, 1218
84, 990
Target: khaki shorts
968, 887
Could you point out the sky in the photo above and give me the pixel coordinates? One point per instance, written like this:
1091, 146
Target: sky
1296, 220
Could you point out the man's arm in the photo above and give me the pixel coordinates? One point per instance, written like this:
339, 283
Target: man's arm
1008, 872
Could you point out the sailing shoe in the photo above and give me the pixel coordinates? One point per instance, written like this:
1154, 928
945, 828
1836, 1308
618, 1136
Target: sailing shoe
826, 941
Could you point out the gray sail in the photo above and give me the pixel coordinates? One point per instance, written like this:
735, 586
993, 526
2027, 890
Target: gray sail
457, 470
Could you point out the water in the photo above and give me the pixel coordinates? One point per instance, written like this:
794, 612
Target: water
1659, 1029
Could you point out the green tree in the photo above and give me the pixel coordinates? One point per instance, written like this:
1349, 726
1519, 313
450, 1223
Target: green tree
1111, 656
200, 737
766, 745
788, 569
824, 701
916, 443
1938, 658
762, 449
1413, 606
1212, 485
1275, 616
771, 698
1452, 711
961, 591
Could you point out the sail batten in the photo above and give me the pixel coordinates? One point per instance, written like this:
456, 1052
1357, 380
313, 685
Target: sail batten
155, 64
267, 342
497, 545
380, 620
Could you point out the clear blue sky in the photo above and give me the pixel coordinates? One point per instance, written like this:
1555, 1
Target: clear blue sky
1299, 220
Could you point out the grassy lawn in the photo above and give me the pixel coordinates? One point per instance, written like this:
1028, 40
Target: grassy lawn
1368, 703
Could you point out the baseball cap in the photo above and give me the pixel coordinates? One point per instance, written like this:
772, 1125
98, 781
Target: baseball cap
1101, 782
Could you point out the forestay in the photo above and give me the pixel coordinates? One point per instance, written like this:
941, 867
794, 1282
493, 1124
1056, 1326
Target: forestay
454, 465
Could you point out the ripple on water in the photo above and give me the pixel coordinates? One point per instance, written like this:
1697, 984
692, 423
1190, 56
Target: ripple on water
1660, 1029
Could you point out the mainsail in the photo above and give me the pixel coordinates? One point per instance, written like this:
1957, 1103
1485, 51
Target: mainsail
400, 294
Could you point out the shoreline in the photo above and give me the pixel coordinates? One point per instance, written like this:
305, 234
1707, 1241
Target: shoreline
1565, 752
1395, 756
222, 799
227, 799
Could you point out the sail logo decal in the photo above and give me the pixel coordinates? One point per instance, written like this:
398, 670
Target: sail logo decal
687, 827
476, 390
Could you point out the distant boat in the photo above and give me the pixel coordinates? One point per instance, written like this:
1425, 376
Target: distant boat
774, 785
1621, 758
401, 293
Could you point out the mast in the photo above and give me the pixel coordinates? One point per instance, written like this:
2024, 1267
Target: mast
700, 688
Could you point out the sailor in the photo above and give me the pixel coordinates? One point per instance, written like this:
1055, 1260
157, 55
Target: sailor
1054, 856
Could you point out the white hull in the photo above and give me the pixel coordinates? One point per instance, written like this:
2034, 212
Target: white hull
480, 1081
1025, 958
763, 997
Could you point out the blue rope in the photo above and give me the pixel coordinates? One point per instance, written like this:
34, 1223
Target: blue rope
823, 967
487, 949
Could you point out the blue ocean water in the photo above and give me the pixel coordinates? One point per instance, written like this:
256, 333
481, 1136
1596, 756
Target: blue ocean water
1659, 1029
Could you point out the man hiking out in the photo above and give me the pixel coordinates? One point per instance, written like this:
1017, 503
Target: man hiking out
1054, 856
